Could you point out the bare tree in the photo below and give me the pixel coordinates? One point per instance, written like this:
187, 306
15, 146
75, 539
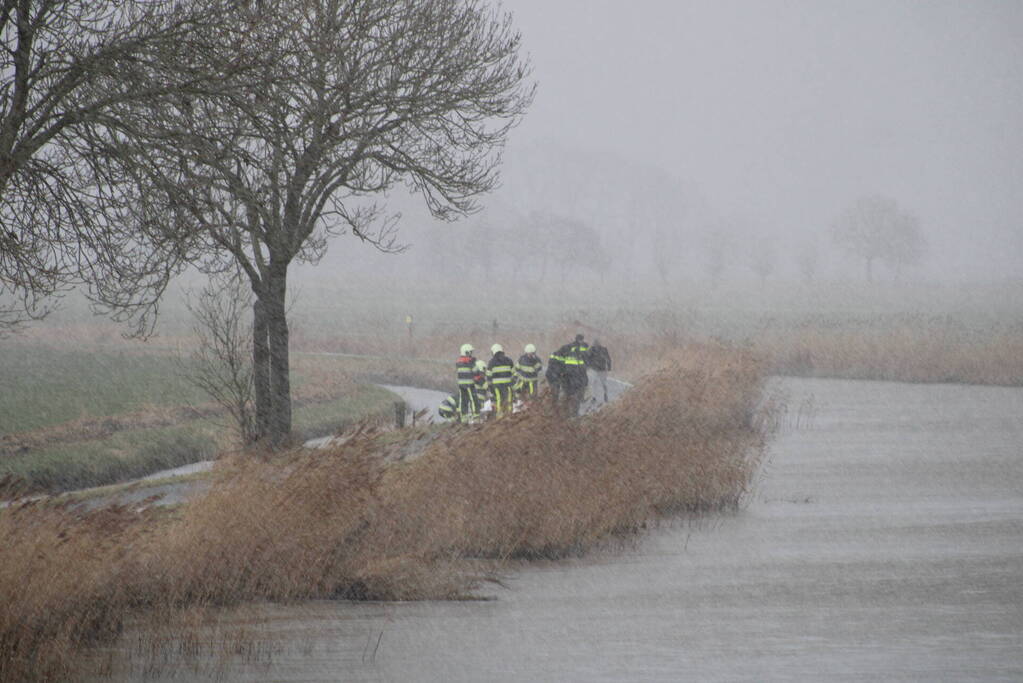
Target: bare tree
567, 242
67, 216
221, 365
875, 228
719, 246
357, 95
763, 257
906, 246
808, 259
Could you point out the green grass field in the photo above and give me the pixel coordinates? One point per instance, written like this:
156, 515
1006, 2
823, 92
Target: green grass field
44, 387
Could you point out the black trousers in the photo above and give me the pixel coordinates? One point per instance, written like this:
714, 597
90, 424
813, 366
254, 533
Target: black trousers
468, 400
502, 398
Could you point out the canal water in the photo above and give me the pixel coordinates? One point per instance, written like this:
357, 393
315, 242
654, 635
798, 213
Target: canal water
884, 541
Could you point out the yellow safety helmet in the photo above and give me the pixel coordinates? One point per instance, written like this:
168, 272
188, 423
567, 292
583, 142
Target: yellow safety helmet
530, 348
466, 349
496, 348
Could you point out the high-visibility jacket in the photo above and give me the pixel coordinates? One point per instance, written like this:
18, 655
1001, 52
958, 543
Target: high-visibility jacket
577, 354
556, 367
574, 360
465, 368
528, 371
500, 370
482, 388
448, 408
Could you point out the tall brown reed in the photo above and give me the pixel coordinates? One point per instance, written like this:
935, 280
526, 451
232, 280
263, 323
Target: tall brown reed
340, 523
533, 484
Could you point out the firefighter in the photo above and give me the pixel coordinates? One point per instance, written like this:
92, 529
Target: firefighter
468, 398
527, 373
580, 347
501, 377
555, 372
575, 380
481, 383
448, 408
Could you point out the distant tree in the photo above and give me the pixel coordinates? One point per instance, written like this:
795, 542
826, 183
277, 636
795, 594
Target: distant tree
907, 246
718, 246
67, 214
874, 228
664, 254
538, 235
356, 96
808, 259
763, 258
569, 243
652, 213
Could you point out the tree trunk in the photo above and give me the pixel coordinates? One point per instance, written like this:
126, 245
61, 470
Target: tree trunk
261, 368
280, 371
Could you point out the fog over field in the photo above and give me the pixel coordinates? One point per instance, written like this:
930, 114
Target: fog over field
796, 226
676, 129
704, 155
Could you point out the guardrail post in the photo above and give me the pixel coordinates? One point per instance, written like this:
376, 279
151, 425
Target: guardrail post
399, 414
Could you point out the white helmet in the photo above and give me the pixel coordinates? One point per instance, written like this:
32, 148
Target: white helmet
530, 348
466, 349
481, 366
496, 348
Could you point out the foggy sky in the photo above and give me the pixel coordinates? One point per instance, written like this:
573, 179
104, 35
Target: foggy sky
783, 112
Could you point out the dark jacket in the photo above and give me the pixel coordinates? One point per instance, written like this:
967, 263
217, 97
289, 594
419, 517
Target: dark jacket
598, 358
528, 368
448, 408
556, 366
573, 360
465, 368
500, 370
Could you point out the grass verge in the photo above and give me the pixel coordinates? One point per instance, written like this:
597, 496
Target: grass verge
137, 453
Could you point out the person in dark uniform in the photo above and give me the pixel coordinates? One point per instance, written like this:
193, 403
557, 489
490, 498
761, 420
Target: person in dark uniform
599, 361
501, 376
468, 398
448, 408
527, 373
555, 373
574, 380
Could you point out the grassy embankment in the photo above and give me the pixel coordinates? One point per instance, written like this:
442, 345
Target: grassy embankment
340, 523
79, 417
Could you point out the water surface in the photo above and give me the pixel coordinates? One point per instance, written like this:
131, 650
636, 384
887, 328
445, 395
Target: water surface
885, 540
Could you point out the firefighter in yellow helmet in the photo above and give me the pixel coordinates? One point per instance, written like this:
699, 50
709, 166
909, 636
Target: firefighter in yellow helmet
501, 376
527, 372
466, 373
482, 388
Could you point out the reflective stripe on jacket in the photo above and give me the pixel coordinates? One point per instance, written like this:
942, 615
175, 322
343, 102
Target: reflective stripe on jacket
465, 368
528, 368
448, 408
500, 370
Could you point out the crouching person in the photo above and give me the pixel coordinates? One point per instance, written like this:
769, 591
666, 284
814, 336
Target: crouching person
448, 408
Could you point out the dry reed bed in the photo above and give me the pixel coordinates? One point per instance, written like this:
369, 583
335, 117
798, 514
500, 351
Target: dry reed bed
900, 355
339, 523
911, 350
687, 438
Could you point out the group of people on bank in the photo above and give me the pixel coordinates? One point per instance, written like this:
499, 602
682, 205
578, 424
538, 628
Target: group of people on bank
499, 386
